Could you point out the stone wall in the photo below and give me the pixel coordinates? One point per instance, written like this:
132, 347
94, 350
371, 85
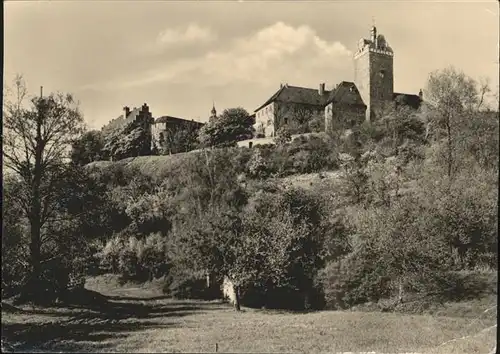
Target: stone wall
341, 117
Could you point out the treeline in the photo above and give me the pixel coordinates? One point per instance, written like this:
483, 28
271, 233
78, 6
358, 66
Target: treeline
411, 215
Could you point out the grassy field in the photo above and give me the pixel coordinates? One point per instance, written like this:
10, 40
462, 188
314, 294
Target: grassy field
133, 318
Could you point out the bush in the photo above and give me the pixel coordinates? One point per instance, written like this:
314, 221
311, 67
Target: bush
190, 285
135, 259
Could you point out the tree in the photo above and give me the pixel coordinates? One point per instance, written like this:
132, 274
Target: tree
88, 148
132, 140
36, 145
259, 246
179, 138
283, 136
235, 124
398, 125
452, 96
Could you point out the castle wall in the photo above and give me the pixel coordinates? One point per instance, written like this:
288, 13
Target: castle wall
381, 82
340, 117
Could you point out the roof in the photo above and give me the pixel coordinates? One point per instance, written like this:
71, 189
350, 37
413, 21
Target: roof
413, 101
165, 119
346, 93
297, 94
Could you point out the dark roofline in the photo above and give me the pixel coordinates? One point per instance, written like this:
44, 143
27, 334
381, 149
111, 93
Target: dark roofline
395, 94
335, 90
274, 97
165, 118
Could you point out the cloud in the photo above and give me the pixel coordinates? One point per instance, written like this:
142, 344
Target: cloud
269, 56
193, 33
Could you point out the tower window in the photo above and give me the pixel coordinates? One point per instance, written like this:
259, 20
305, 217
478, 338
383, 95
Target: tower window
286, 120
382, 73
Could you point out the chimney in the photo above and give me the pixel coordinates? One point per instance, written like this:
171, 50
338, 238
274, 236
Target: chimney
321, 89
281, 85
126, 111
421, 95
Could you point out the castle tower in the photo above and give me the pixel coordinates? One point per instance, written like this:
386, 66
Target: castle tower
374, 73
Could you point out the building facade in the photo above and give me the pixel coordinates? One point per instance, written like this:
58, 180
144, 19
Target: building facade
292, 106
348, 103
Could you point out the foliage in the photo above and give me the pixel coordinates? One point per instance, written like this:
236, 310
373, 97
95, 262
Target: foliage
453, 97
87, 148
283, 136
15, 251
131, 140
36, 142
274, 243
179, 138
317, 123
135, 259
233, 125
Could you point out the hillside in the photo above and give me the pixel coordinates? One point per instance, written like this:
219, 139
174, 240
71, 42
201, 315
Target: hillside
149, 165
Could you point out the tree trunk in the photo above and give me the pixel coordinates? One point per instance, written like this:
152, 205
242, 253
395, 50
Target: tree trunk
237, 298
400, 292
35, 215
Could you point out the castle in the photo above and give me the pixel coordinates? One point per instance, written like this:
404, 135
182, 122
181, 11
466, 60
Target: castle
157, 128
347, 104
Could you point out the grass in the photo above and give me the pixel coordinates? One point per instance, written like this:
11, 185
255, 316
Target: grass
139, 319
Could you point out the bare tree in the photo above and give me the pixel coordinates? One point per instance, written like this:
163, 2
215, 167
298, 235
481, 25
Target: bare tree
36, 145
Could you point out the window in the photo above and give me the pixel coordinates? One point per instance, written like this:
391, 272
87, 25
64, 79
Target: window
250, 144
286, 121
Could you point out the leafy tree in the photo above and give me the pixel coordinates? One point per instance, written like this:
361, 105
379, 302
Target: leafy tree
15, 253
36, 143
88, 148
260, 247
132, 140
398, 125
452, 96
179, 138
233, 125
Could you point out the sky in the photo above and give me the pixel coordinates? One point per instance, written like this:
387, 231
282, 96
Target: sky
179, 57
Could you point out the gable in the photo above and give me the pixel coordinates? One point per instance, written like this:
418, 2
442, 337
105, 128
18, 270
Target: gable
346, 93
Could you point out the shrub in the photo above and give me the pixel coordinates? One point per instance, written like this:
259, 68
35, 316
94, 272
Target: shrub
190, 285
283, 136
135, 259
